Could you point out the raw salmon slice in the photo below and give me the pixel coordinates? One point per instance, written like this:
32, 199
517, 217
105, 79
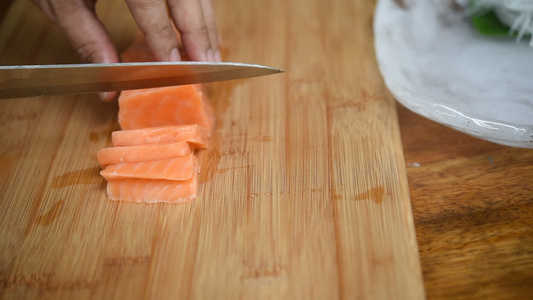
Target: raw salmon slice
179, 168
173, 105
193, 134
152, 191
149, 152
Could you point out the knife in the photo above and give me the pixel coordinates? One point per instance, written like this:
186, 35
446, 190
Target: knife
37, 80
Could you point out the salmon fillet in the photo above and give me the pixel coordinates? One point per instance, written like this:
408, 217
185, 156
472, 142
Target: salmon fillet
179, 168
148, 152
193, 134
152, 191
173, 105
152, 158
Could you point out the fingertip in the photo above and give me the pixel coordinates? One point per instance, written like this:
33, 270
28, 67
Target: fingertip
210, 56
103, 96
107, 96
108, 54
99, 53
152, 18
174, 55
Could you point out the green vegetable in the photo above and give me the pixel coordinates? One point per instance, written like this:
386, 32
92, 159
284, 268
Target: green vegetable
489, 24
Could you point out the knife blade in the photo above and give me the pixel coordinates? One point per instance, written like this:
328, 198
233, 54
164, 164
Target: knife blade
38, 80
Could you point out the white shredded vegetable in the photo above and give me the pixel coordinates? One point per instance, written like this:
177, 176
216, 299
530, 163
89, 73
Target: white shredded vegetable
517, 14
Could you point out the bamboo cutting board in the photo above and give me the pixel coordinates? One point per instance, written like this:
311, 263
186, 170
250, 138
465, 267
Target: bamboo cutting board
303, 191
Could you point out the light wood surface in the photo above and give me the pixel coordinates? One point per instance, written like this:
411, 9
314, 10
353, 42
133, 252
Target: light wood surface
473, 207
303, 192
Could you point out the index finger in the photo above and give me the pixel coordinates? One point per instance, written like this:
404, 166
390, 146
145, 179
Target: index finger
209, 16
189, 18
152, 18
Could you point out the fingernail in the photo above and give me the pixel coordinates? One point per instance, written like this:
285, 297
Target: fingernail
107, 96
174, 55
210, 57
218, 57
103, 96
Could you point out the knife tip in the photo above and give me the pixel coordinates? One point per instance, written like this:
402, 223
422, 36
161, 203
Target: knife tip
277, 70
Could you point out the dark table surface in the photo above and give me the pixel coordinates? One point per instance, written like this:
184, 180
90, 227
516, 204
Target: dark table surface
473, 208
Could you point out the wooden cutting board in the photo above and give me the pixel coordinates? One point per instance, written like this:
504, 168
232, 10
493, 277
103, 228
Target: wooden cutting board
303, 192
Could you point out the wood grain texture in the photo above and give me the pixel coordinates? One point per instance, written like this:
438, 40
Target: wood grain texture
473, 208
303, 191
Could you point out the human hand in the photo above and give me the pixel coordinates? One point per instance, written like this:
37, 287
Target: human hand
194, 20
